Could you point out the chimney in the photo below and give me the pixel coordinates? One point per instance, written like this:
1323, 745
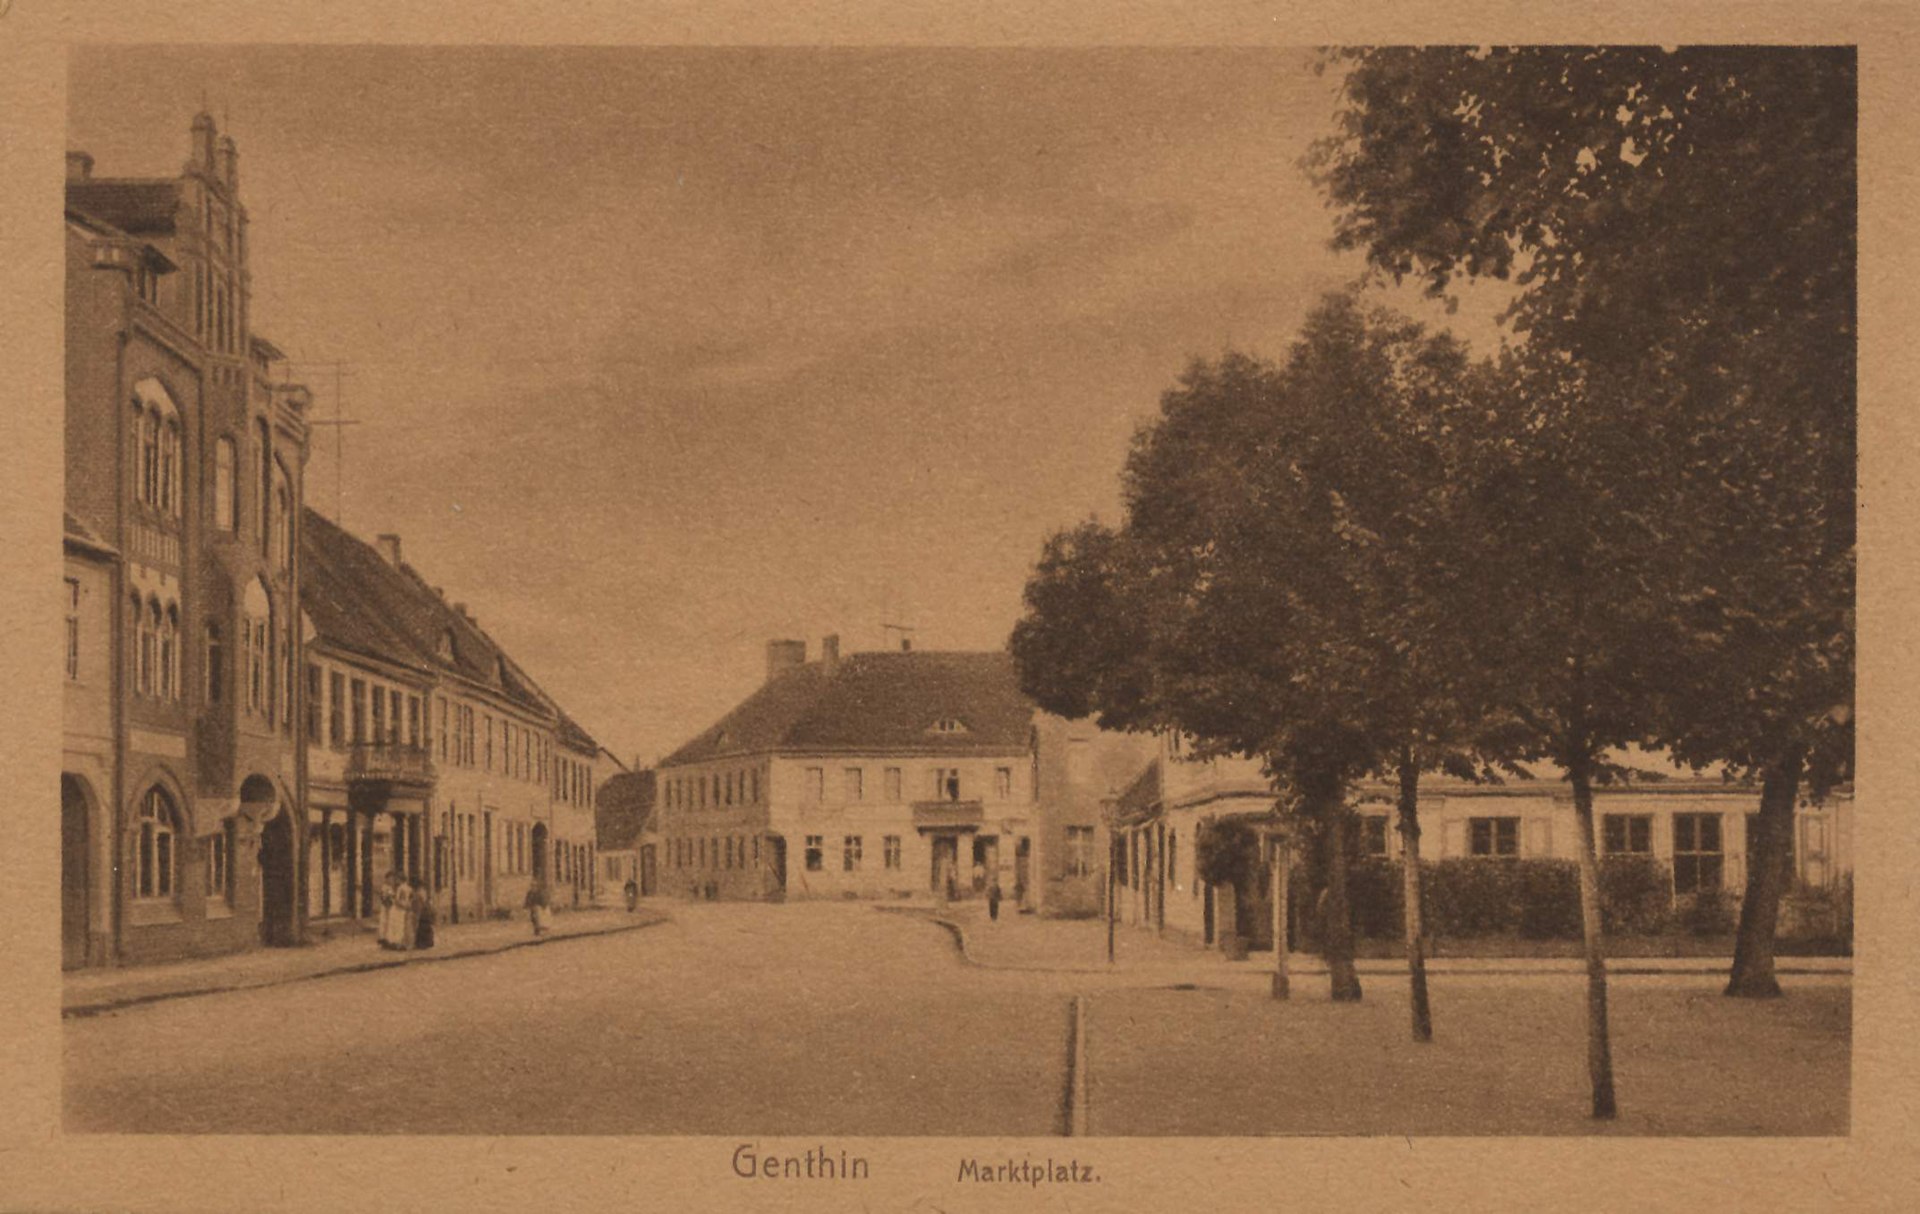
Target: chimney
906, 644
79, 166
389, 549
203, 142
229, 164
783, 656
830, 652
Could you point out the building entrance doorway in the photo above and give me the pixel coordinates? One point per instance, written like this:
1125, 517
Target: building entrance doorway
646, 871
777, 849
986, 860
277, 880
73, 874
945, 878
1022, 868
540, 852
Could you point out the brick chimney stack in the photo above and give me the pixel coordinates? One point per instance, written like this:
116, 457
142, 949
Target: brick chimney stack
783, 656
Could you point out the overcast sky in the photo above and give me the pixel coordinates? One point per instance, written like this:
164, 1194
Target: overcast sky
659, 354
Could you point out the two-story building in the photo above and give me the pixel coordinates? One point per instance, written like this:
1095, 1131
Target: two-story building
430, 752
185, 461
886, 774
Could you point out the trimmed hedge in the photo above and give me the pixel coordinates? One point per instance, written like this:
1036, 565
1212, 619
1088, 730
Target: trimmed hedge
1533, 899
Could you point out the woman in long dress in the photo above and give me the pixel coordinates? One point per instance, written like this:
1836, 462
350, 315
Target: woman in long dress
389, 908
403, 914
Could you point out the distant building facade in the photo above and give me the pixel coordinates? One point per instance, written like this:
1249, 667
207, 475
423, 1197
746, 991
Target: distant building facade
185, 465
891, 774
629, 847
1695, 825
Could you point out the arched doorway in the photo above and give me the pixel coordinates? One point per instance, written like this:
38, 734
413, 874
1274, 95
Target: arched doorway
277, 880
75, 807
540, 852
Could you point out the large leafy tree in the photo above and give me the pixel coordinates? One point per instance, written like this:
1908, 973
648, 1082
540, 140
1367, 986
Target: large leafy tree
1271, 591
1680, 225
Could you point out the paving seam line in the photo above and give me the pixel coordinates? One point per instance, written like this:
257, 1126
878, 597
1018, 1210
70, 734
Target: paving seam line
82, 1011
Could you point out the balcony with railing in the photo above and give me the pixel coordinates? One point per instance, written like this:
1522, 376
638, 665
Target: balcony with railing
391, 763
949, 815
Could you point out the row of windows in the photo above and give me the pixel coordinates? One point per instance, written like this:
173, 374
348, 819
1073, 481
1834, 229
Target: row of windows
156, 646
359, 711
714, 789
1698, 851
852, 852
159, 472
944, 785
707, 852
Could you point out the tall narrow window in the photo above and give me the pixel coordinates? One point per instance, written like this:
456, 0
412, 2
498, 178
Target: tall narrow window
379, 734
394, 710
336, 709
216, 665
149, 615
413, 720
263, 489
150, 458
170, 654
224, 517
359, 712
170, 467
314, 690
72, 603
154, 857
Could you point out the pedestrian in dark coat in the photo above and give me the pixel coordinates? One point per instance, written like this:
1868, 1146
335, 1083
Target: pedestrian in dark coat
423, 916
993, 898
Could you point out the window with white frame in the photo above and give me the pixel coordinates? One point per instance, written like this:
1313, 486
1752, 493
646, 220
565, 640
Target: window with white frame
1493, 836
1373, 835
816, 852
220, 863
1079, 851
946, 783
1698, 858
1626, 834
890, 851
1003, 783
850, 854
155, 860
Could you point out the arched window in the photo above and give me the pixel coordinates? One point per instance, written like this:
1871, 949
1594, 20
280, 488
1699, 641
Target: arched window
281, 518
254, 624
223, 502
147, 616
150, 458
263, 491
170, 653
155, 859
216, 665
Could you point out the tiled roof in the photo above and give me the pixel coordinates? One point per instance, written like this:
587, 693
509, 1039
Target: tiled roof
359, 601
622, 810
880, 702
571, 734
131, 204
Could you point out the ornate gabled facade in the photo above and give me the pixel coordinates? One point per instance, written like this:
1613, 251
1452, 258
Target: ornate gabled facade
185, 464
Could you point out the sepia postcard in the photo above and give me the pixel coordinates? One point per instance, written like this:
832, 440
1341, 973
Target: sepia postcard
1071, 609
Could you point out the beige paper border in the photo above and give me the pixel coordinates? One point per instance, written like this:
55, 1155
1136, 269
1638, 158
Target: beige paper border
40, 1169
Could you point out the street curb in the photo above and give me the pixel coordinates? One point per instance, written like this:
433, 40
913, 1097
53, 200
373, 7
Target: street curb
1376, 969
81, 1011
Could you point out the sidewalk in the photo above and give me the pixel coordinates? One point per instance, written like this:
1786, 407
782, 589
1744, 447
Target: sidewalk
1079, 946
90, 992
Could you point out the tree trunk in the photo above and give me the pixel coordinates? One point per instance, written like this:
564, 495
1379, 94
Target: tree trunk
1410, 884
1599, 1047
1337, 932
1769, 872
1282, 986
